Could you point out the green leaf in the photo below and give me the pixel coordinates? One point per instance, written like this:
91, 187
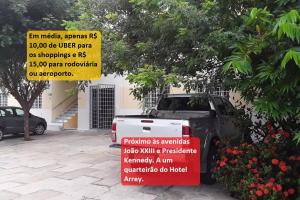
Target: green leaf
288, 25
290, 55
238, 63
297, 138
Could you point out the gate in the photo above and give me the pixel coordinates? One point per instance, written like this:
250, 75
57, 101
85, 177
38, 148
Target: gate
102, 106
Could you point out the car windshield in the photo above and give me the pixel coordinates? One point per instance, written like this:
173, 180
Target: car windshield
184, 104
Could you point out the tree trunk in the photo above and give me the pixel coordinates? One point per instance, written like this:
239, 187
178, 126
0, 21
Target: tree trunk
26, 124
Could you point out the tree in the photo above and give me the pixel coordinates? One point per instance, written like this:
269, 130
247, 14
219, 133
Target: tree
16, 18
182, 37
265, 64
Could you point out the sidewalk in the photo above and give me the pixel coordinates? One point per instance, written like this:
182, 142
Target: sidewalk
73, 165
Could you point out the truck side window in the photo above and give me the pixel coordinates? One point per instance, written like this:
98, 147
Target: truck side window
220, 105
229, 107
198, 103
184, 104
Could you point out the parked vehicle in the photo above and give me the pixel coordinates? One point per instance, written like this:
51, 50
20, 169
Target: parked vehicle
208, 117
12, 122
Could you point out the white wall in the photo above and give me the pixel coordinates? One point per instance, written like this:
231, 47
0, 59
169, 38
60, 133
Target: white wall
124, 103
44, 112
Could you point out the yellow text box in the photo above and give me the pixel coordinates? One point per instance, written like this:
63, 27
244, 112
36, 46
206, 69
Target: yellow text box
63, 55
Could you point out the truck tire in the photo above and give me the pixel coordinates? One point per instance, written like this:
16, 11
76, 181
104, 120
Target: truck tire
1, 134
212, 156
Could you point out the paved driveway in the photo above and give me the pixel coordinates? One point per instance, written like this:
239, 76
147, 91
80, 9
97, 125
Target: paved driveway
75, 165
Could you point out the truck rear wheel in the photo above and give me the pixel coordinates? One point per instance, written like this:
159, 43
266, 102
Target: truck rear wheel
212, 157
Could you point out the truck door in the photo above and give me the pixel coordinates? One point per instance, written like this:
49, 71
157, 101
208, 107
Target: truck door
227, 119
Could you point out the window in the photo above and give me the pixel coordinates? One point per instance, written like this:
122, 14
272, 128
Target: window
152, 98
102, 105
184, 104
2, 113
38, 102
6, 112
3, 99
229, 107
220, 105
224, 106
220, 91
19, 112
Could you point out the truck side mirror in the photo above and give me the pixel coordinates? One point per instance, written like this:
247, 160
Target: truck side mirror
212, 113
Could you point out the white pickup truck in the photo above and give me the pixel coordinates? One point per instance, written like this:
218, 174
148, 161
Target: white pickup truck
208, 117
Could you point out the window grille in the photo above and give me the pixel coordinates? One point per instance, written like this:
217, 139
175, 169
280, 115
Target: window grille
152, 98
217, 91
37, 104
102, 106
3, 99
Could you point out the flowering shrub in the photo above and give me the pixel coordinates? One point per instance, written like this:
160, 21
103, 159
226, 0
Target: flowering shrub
267, 170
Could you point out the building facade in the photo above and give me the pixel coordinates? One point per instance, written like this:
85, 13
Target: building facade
93, 108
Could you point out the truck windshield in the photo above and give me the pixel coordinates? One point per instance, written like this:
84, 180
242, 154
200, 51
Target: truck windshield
184, 104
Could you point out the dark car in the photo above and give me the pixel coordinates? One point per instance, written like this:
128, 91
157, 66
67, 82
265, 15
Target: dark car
12, 122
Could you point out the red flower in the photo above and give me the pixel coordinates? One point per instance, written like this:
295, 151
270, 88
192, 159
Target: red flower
225, 159
292, 158
222, 164
272, 180
278, 187
266, 191
269, 126
249, 166
286, 194
228, 150
254, 159
258, 193
283, 133
269, 184
291, 191
252, 185
266, 140
282, 166
235, 152
261, 186
254, 171
275, 161
233, 161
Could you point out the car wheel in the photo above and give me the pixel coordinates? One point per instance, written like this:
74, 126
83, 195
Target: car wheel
212, 158
39, 129
1, 134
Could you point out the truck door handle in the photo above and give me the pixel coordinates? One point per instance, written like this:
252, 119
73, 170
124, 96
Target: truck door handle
147, 128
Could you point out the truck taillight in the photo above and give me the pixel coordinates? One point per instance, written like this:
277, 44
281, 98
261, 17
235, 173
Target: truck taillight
186, 131
114, 132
